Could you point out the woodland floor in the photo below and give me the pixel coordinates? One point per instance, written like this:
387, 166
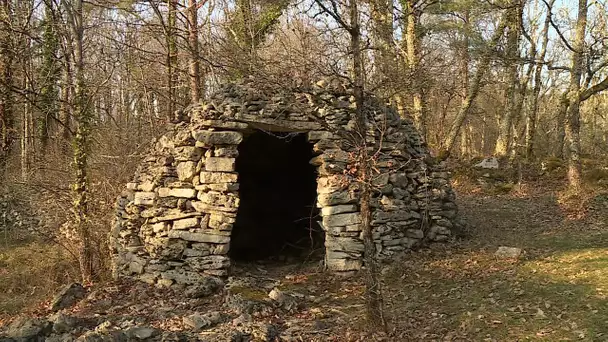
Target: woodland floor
557, 291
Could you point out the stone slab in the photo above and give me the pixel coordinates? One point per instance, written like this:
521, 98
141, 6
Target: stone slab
198, 237
220, 164
211, 138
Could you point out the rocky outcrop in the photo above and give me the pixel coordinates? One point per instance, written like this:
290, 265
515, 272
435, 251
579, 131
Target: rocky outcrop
173, 221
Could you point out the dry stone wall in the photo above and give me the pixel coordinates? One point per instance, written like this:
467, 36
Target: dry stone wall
174, 220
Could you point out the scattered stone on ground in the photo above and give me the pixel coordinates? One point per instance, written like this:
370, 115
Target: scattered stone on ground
250, 308
488, 163
504, 252
68, 296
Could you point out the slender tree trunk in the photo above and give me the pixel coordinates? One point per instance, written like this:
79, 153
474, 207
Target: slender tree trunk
560, 121
413, 63
373, 293
572, 128
65, 98
382, 18
504, 141
472, 92
50, 73
245, 33
81, 142
172, 76
27, 140
532, 117
464, 70
195, 73
6, 83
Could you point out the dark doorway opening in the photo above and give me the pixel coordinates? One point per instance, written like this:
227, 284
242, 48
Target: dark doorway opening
277, 213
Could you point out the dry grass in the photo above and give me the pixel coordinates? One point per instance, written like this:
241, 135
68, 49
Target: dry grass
30, 272
555, 292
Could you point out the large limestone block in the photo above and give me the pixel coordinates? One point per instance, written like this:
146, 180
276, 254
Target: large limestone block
198, 237
341, 220
391, 204
226, 151
212, 209
210, 262
176, 192
344, 265
220, 164
221, 222
188, 153
224, 124
144, 198
186, 171
173, 214
218, 177
336, 198
186, 223
333, 183
338, 209
184, 277
210, 138
160, 227
336, 155
344, 244
320, 135
379, 216
219, 199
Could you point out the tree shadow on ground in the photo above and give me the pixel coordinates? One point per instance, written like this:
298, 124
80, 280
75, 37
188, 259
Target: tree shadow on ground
555, 292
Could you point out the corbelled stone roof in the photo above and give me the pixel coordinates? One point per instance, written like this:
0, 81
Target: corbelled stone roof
174, 221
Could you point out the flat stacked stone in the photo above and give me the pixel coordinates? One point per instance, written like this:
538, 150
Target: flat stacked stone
174, 221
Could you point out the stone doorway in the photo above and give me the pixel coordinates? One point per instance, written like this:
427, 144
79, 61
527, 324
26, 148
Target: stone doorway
277, 216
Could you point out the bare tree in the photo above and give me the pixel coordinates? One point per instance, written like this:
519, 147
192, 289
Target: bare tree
373, 295
6, 82
473, 89
539, 62
195, 69
513, 16
413, 56
82, 116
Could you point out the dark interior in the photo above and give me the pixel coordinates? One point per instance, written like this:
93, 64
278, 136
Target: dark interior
277, 213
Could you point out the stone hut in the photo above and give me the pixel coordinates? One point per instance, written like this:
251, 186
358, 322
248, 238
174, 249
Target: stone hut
254, 173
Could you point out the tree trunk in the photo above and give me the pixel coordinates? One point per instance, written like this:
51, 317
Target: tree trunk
195, 73
50, 73
373, 293
572, 128
81, 142
464, 70
172, 76
532, 117
382, 18
6, 83
27, 140
413, 63
472, 92
504, 141
65, 110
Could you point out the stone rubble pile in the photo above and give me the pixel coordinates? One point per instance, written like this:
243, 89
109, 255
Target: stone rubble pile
174, 220
244, 309
16, 215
